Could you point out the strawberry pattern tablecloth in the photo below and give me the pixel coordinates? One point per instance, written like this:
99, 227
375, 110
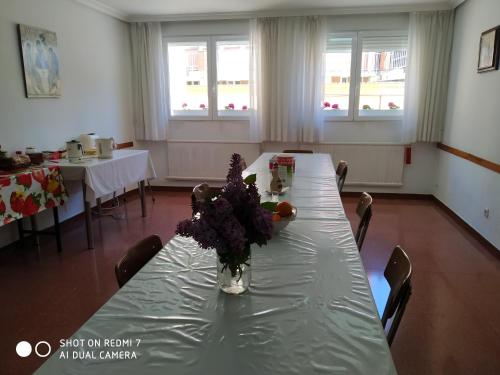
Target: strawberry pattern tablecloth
29, 192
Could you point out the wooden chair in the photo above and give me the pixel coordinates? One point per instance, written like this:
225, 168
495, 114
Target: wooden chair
341, 174
136, 258
298, 151
364, 211
200, 192
398, 275
120, 146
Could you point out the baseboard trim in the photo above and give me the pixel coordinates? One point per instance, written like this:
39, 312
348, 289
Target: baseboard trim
461, 222
172, 188
356, 194
478, 236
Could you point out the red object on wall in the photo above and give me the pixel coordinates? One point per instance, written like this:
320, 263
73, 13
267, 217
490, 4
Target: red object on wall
408, 155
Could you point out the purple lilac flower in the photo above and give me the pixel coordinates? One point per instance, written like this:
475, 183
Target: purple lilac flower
234, 174
234, 234
222, 208
253, 193
232, 221
262, 220
201, 231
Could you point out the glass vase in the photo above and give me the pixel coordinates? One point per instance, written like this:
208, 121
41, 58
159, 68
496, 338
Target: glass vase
234, 281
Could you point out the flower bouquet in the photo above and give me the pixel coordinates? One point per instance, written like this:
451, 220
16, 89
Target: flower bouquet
230, 221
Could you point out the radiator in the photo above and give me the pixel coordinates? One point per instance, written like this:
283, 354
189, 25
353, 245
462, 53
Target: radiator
369, 164
209, 161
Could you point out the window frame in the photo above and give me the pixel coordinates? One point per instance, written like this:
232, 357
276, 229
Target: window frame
211, 41
355, 84
354, 43
185, 39
246, 114
359, 52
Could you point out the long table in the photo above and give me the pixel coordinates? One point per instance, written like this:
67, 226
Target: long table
313, 191
309, 309
29, 192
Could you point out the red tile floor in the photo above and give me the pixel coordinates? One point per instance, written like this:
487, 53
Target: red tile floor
451, 325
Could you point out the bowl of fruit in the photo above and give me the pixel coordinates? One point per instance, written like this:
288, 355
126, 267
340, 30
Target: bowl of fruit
283, 214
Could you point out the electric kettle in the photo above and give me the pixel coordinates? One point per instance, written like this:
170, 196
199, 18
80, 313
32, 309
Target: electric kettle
75, 151
105, 147
88, 141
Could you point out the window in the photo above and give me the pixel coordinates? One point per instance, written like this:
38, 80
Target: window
188, 78
338, 65
233, 70
365, 76
383, 72
209, 79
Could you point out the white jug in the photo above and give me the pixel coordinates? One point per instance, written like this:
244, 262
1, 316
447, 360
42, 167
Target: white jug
75, 151
88, 141
105, 147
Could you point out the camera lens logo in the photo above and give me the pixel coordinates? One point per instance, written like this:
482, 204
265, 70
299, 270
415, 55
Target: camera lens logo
23, 349
42, 349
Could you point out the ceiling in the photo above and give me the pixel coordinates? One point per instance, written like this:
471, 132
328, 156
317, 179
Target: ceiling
144, 9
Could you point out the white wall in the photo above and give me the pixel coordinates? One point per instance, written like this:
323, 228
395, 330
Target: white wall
95, 62
472, 124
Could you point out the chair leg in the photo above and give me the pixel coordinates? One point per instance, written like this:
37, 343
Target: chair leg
34, 228
99, 206
20, 229
57, 229
116, 201
397, 318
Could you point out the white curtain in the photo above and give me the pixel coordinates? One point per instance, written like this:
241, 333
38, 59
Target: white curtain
256, 130
287, 70
148, 77
429, 48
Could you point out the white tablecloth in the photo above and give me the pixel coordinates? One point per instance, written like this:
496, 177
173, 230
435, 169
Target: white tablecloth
309, 310
105, 176
314, 197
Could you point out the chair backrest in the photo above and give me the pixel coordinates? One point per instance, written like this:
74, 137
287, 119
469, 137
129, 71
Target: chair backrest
243, 164
200, 192
398, 275
341, 174
136, 258
298, 151
364, 211
120, 146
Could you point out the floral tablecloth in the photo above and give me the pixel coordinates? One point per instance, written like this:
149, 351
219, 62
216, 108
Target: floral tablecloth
31, 191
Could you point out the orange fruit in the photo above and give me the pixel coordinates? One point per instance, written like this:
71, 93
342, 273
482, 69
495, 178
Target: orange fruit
276, 217
285, 209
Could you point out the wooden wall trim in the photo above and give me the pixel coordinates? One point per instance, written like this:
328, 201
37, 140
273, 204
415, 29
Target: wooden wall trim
356, 194
470, 157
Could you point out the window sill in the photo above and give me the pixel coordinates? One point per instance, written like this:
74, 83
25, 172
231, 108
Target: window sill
350, 121
378, 118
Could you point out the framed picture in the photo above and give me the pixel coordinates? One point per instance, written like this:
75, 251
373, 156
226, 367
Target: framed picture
40, 62
489, 50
